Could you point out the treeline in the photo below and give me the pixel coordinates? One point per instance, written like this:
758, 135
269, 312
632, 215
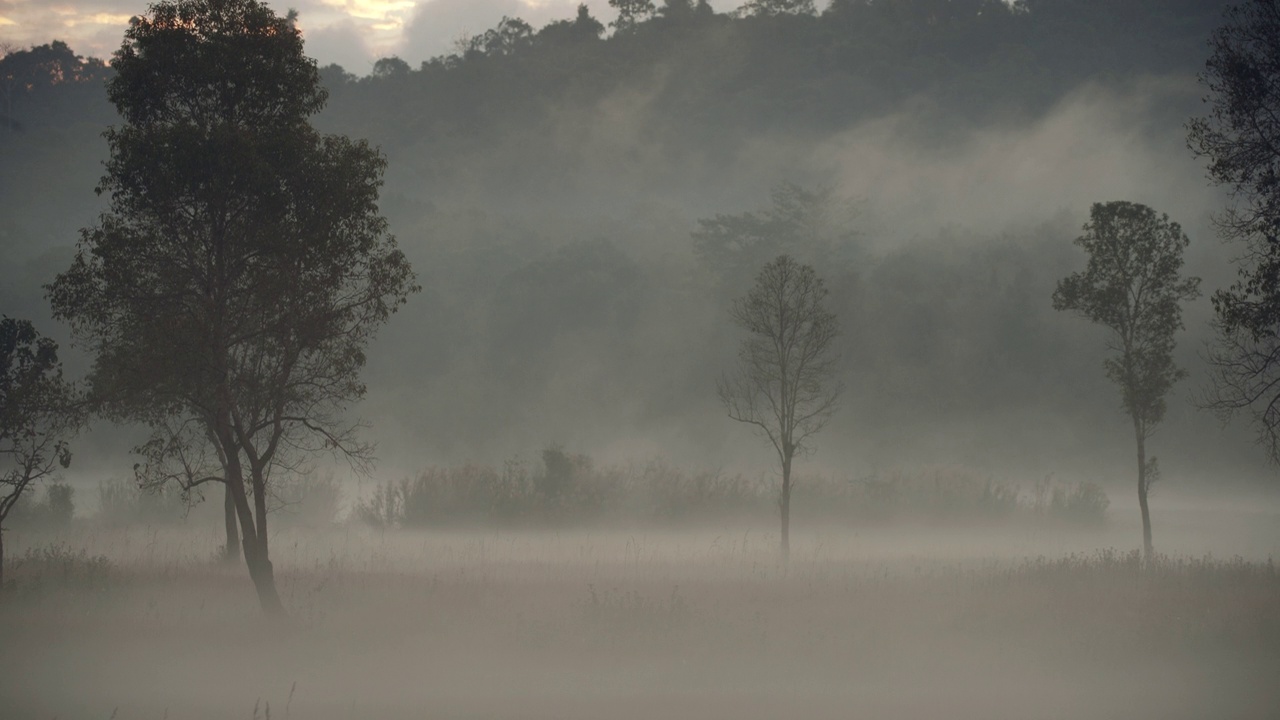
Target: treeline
548, 183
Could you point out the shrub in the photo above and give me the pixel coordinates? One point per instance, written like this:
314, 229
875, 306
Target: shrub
54, 509
1085, 503
56, 566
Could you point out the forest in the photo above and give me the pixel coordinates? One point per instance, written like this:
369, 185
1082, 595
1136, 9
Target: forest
509, 461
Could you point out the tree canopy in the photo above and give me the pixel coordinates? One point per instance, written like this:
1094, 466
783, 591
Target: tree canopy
242, 266
1133, 286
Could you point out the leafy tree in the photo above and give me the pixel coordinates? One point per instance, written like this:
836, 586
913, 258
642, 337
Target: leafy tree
38, 414
631, 13
242, 266
778, 7
37, 69
582, 28
1132, 286
784, 382
391, 68
1240, 138
812, 224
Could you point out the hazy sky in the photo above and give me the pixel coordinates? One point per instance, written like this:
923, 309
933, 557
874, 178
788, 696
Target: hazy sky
352, 33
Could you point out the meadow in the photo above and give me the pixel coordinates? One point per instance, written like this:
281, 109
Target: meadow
1019, 619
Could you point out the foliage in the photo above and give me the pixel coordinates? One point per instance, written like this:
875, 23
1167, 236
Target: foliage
1239, 139
38, 415
59, 566
778, 7
1085, 502
812, 225
1132, 286
242, 267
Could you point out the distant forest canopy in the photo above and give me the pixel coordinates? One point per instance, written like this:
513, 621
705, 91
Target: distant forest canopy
547, 184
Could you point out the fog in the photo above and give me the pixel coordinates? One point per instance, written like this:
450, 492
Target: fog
562, 521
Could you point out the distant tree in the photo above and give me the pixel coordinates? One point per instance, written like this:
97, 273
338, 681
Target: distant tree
778, 7
631, 13
242, 266
784, 384
391, 68
509, 37
811, 224
582, 28
38, 415
1132, 286
1240, 138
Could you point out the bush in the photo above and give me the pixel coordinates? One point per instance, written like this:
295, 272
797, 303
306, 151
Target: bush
1085, 503
58, 565
53, 510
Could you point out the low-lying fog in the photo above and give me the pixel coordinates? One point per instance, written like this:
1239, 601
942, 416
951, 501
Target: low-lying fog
1019, 618
964, 533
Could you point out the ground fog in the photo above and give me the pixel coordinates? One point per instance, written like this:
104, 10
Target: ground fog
1023, 619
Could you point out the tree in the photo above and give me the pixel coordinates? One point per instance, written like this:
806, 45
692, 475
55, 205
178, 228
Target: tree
1132, 286
1240, 138
812, 224
242, 266
769, 8
631, 13
784, 382
38, 414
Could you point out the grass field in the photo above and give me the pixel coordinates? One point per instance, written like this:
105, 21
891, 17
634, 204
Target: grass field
1010, 621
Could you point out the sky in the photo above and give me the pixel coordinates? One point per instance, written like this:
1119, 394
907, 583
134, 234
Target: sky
352, 33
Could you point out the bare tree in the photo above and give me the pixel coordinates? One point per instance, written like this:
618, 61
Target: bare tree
784, 382
37, 415
1132, 286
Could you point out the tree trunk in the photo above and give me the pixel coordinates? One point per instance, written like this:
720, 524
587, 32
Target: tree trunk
231, 551
253, 542
263, 575
784, 504
1147, 550
1, 561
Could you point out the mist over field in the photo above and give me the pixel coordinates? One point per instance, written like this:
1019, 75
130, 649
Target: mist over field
558, 518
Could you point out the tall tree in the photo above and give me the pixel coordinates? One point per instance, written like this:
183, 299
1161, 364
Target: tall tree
770, 8
242, 266
815, 225
1240, 139
38, 414
1132, 285
784, 384
631, 13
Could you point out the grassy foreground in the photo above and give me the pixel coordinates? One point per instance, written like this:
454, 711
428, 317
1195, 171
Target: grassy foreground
898, 623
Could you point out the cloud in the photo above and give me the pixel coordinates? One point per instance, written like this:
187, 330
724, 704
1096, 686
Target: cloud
342, 43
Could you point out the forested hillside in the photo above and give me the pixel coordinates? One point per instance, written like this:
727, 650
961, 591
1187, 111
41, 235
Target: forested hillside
582, 202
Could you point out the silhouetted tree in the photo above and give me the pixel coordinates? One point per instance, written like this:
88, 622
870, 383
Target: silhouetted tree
812, 224
784, 384
38, 414
631, 13
242, 266
1132, 286
778, 7
1240, 138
